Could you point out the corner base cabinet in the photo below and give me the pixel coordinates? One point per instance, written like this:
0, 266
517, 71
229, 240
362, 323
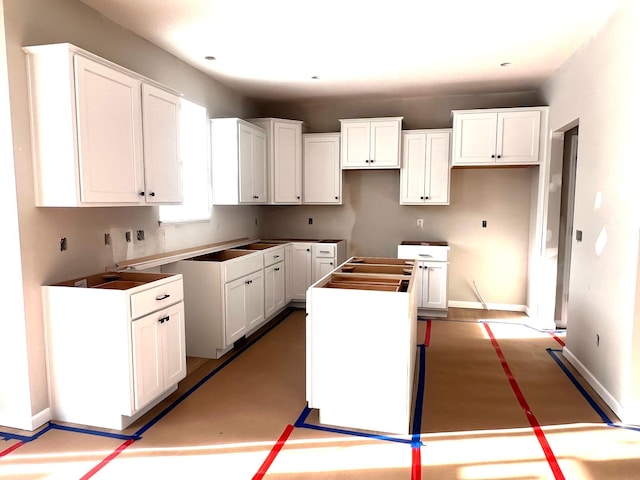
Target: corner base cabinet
116, 348
352, 318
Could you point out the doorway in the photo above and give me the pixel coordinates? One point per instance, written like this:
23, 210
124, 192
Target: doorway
567, 202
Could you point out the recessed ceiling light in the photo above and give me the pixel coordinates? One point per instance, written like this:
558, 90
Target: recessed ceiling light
315, 77
505, 64
209, 57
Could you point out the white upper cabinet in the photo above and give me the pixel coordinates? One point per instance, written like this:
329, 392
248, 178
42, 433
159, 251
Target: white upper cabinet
425, 171
370, 142
101, 135
162, 165
321, 168
284, 159
238, 162
500, 137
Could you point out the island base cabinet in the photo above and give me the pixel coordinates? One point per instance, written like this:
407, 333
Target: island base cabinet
349, 378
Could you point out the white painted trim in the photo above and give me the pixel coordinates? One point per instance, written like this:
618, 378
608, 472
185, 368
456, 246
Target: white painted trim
40, 418
608, 398
508, 307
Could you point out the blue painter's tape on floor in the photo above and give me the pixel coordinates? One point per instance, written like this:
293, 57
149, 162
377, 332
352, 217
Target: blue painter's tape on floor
605, 418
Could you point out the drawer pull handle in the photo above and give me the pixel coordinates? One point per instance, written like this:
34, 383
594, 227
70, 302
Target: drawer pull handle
276, 256
164, 319
163, 297
424, 255
325, 251
276, 269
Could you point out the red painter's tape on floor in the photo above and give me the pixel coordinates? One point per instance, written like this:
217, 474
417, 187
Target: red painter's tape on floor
416, 464
273, 453
427, 336
533, 421
104, 462
557, 339
11, 449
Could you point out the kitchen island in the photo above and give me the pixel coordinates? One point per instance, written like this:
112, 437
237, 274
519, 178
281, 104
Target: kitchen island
361, 344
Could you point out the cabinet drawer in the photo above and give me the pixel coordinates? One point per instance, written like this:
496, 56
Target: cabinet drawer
273, 256
242, 266
324, 250
156, 298
424, 252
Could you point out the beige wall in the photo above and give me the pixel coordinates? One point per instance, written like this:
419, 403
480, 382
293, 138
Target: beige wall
49, 21
598, 87
373, 222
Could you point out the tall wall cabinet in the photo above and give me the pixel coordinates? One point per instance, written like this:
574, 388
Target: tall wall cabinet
425, 171
321, 168
101, 134
238, 162
284, 160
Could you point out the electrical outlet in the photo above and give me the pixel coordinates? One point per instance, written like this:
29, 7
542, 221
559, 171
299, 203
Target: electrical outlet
420, 223
63, 244
484, 224
128, 236
107, 239
140, 235
310, 221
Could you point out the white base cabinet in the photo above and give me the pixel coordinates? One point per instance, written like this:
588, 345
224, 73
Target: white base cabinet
301, 265
102, 135
224, 299
432, 277
114, 349
426, 166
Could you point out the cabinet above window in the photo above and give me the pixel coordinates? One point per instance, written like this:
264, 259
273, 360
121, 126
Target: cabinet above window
101, 135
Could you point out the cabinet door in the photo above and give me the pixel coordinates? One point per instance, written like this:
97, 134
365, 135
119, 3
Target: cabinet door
322, 266
434, 285
474, 138
174, 357
301, 277
288, 271
413, 173
235, 324
518, 137
274, 289
355, 144
287, 163
321, 169
108, 110
147, 361
385, 144
160, 127
439, 169
259, 167
254, 298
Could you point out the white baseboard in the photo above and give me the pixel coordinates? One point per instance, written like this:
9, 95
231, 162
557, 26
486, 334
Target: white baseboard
609, 399
28, 423
508, 307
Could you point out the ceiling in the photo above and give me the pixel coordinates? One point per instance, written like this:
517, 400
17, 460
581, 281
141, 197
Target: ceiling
270, 50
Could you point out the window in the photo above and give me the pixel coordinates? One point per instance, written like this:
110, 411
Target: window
194, 153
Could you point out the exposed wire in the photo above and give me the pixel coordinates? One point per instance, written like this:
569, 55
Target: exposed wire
480, 296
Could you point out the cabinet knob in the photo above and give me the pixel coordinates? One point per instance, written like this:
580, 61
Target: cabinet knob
276, 269
298, 197
308, 249
371, 161
426, 198
493, 156
499, 156
256, 196
152, 194
421, 198
330, 263
336, 198
141, 194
